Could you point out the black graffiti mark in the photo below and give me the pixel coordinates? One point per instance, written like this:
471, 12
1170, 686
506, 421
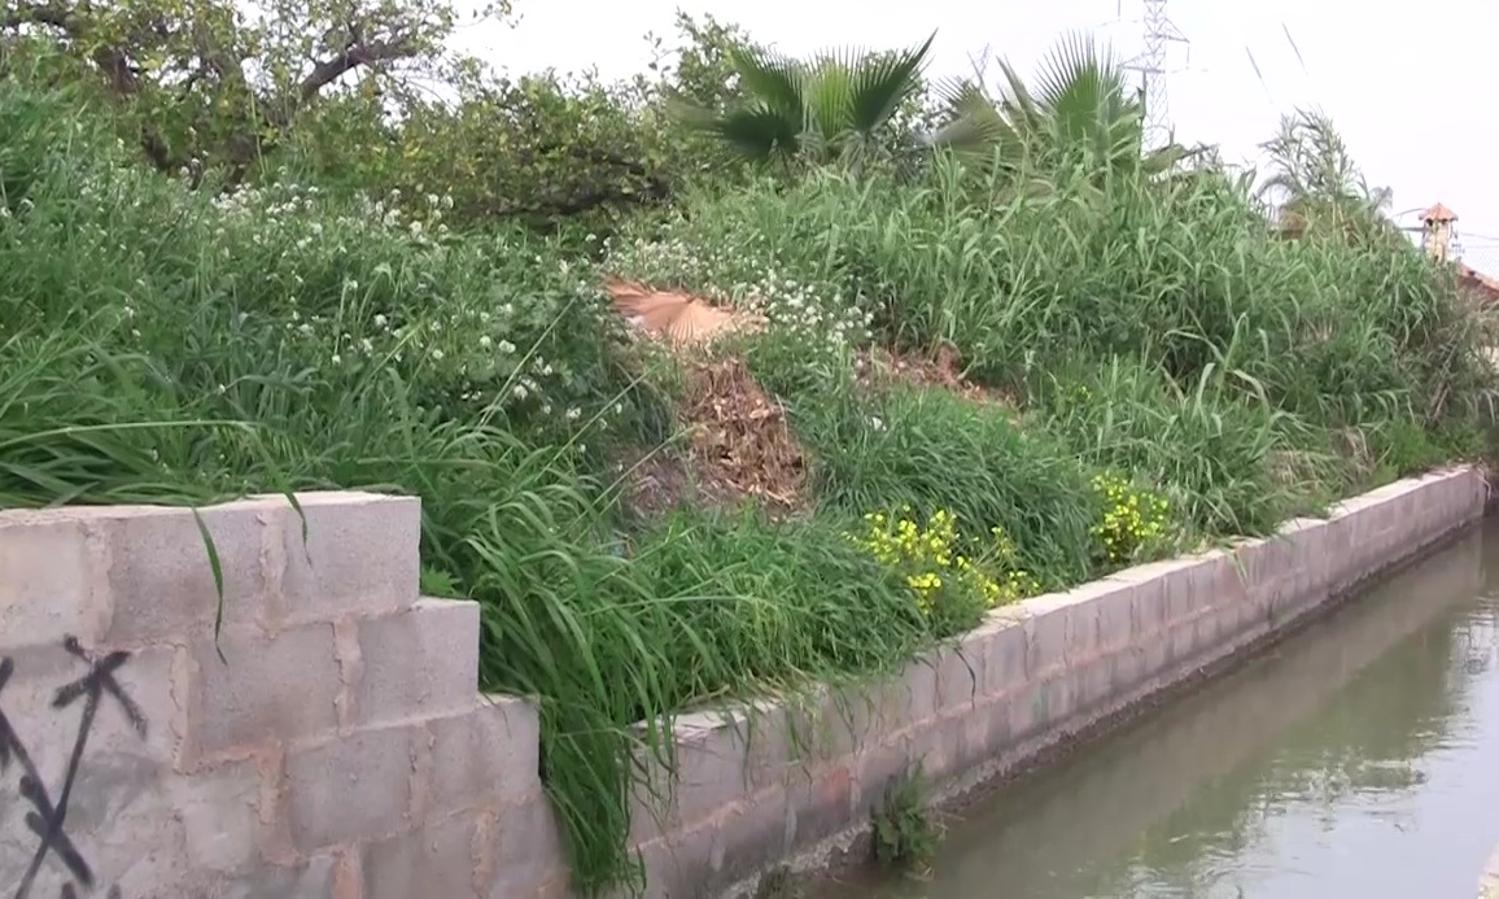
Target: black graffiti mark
46, 819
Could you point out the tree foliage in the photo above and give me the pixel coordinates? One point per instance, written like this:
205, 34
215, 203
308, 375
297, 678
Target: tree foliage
213, 80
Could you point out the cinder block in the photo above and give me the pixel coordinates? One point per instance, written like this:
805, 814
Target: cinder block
1047, 704
436, 860
1046, 634
675, 867
1083, 621
421, 661
1117, 624
779, 737
1215, 581
266, 688
220, 813
985, 734
1004, 646
160, 576
1307, 540
51, 583
871, 711
143, 678
877, 767
1150, 607
1092, 683
816, 806
755, 833
960, 677
1184, 599
264, 880
360, 554
1182, 643
355, 787
487, 754
528, 854
711, 770
1127, 670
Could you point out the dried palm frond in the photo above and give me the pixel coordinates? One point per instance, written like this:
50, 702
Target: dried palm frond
678, 318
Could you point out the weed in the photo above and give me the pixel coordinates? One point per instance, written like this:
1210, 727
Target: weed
904, 831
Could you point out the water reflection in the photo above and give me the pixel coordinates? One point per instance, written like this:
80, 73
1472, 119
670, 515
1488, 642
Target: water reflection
1360, 758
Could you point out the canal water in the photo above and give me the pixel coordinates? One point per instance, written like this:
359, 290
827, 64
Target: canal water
1359, 758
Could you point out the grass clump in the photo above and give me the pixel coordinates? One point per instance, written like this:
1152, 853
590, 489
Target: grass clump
905, 834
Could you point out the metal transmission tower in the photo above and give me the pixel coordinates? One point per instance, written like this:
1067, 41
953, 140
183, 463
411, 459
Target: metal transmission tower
1151, 64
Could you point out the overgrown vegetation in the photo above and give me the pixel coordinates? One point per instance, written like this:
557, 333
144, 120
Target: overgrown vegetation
903, 831
218, 284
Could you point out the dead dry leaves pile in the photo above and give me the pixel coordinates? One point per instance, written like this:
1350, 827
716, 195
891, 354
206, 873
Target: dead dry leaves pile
739, 440
738, 444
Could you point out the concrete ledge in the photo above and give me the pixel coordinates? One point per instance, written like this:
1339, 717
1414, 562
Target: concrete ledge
793, 783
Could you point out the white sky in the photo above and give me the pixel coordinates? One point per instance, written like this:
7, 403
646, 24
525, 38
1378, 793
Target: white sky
1408, 84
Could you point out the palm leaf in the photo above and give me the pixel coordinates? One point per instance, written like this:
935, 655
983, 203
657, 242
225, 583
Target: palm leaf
975, 125
1083, 94
830, 93
776, 81
758, 132
881, 83
1016, 102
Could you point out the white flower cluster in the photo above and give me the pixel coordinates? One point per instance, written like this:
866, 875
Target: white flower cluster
817, 314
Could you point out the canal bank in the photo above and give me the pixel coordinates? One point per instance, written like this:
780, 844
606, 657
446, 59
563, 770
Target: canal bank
794, 783
1354, 758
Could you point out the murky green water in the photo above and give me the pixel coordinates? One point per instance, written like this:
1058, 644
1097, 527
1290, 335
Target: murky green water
1358, 759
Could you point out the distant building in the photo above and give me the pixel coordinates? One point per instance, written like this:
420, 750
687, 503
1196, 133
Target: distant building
1436, 239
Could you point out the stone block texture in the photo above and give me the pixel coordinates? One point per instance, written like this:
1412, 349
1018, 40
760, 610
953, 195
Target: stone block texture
327, 738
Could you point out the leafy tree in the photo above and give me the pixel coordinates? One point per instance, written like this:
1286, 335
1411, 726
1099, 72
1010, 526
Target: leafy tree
837, 103
216, 81
1081, 112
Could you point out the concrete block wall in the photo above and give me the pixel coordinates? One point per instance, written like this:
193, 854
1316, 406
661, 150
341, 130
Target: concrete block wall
338, 748
330, 742
792, 782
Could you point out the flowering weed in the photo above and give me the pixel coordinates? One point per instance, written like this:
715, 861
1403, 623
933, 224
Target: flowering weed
1135, 521
953, 579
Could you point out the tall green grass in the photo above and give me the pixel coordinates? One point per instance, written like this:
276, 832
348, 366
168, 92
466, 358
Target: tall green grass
878, 451
1254, 376
166, 345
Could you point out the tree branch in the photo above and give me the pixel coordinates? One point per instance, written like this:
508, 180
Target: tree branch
353, 56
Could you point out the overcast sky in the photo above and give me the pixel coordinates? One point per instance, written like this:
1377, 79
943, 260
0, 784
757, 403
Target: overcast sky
1408, 84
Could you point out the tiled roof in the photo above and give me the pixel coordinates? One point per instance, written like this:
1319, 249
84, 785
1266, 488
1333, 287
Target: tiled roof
1439, 213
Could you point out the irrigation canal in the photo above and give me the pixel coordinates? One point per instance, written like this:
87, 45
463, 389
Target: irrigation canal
1358, 758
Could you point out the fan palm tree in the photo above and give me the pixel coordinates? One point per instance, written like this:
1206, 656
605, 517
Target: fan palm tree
834, 103
1081, 111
